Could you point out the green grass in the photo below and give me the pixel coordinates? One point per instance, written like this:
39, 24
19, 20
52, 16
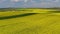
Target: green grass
33, 24
16, 16
29, 23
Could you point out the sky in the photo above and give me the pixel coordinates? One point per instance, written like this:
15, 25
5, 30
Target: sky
29, 3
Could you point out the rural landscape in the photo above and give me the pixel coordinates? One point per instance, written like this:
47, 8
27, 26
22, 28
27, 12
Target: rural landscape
29, 21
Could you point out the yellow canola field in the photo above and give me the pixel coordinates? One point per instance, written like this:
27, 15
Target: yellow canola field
39, 23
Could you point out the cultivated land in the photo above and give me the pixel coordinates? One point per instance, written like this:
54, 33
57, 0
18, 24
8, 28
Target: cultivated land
30, 21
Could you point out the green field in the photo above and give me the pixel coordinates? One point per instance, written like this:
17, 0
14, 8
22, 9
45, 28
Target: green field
30, 21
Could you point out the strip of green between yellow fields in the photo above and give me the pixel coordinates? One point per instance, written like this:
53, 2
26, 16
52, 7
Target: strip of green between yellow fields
15, 16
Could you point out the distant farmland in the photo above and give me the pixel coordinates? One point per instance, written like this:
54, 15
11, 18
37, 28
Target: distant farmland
29, 21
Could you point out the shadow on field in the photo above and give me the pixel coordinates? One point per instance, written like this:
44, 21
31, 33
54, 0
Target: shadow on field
15, 16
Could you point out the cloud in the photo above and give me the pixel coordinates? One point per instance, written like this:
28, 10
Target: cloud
2, 1
16, 0
51, 3
31, 3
